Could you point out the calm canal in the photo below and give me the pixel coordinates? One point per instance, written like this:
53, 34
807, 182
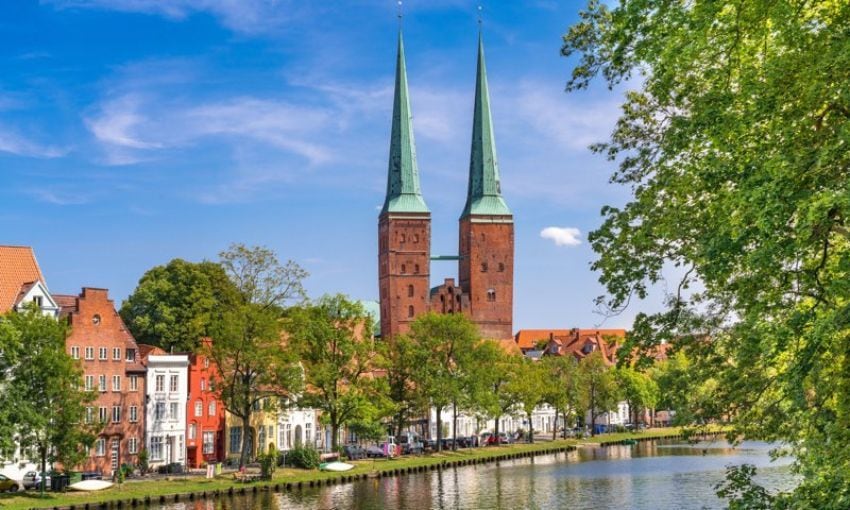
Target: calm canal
661, 475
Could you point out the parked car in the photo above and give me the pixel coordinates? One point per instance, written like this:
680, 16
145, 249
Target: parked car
503, 438
32, 480
7, 484
354, 452
375, 452
410, 443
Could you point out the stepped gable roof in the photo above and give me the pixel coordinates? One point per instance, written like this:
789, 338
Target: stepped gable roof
19, 270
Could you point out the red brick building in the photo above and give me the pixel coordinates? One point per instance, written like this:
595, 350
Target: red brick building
484, 290
112, 368
204, 414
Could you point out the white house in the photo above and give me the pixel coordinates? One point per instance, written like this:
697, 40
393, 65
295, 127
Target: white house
165, 416
297, 427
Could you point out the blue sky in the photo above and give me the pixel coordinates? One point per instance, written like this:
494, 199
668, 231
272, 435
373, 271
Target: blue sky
137, 131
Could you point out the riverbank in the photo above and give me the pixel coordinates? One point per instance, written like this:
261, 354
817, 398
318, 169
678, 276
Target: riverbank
137, 493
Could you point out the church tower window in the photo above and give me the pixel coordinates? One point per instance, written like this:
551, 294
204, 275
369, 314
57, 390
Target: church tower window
410, 291
410, 311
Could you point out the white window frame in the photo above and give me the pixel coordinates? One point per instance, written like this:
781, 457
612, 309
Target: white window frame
134, 414
116, 354
100, 447
103, 354
133, 446
209, 446
116, 414
134, 383
211, 408
101, 383
159, 382
174, 383
116, 383
89, 353
199, 409
75, 351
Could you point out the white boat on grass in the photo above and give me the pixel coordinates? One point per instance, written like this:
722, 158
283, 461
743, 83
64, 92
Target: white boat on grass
90, 485
335, 466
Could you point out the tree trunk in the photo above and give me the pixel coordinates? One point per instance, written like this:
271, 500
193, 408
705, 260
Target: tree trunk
555, 427
454, 426
439, 429
43, 452
530, 428
334, 436
496, 430
246, 431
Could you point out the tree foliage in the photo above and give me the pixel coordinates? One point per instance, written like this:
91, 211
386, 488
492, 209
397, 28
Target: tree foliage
254, 367
599, 392
174, 305
735, 148
562, 390
44, 401
333, 339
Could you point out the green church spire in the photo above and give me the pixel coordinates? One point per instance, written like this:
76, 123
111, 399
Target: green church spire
484, 196
403, 192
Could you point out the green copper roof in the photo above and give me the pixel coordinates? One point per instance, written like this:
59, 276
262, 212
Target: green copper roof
403, 193
484, 196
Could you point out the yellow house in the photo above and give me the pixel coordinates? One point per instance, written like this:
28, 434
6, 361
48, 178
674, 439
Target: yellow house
260, 435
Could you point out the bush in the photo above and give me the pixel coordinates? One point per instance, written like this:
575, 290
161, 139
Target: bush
305, 457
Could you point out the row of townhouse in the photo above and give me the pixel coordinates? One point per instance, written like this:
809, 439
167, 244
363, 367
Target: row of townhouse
145, 398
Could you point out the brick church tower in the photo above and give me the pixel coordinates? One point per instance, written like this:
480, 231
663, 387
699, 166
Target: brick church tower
486, 267
404, 225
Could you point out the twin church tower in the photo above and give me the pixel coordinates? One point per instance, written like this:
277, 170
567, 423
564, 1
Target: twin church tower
484, 290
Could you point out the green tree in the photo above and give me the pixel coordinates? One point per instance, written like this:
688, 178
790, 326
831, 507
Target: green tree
638, 389
562, 389
501, 377
445, 342
529, 387
333, 339
255, 367
174, 305
734, 147
45, 399
399, 359
599, 393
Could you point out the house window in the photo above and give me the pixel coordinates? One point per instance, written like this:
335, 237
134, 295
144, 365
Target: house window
89, 414
75, 352
133, 445
206, 363
116, 354
193, 431
90, 353
209, 443
116, 414
410, 291
130, 355
160, 383
159, 411
156, 448
174, 411
38, 300
103, 353
134, 383
308, 432
203, 384
103, 415
116, 383
211, 409
100, 447
235, 439
134, 414
172, 385
199, 408
89, 383
410, 311
101, 383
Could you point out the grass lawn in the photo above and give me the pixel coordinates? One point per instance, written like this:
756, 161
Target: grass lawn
155, 488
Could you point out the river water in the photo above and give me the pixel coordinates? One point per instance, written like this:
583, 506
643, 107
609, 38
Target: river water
661, 475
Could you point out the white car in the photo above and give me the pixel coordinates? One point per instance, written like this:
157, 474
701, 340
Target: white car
32, 480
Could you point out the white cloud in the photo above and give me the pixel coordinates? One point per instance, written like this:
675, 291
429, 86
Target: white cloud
562, 236
15, 143
245, 16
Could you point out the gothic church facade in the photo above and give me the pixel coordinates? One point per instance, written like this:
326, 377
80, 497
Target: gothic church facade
484, 287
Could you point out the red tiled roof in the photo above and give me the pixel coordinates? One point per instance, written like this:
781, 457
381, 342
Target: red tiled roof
67, 304
607, 341
146, 350
528, 338
18, 267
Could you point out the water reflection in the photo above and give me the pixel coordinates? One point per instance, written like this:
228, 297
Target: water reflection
654, 476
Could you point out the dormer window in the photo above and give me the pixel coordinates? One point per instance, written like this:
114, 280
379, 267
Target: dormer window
38, 300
